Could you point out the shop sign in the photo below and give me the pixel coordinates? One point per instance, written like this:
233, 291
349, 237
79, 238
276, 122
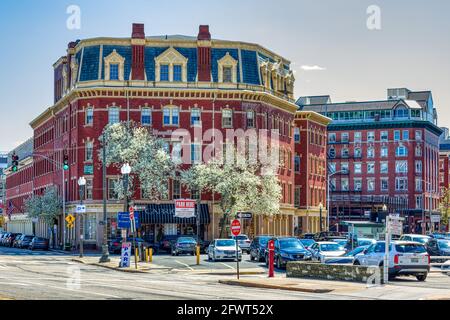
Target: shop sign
125, 257
185, 208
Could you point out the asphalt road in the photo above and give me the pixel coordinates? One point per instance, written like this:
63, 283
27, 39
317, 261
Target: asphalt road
53, 276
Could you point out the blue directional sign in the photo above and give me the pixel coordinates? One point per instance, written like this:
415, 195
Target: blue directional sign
123, 220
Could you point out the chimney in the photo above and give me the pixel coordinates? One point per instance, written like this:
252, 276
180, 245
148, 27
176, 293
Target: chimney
138, 48
203, 33
204, 54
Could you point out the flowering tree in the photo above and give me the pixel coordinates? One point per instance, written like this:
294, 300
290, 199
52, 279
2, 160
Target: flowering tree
445, 206
47, 206
241, 186
150, 161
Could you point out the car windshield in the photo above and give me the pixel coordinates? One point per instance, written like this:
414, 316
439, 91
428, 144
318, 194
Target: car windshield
330, 247
263, 241
187, 240
444, 244
225, 243
410, 248
307, 242
291, 244
365, 242
420, 239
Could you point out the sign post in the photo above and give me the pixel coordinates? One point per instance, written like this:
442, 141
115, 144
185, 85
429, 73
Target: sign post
236, 230
133, 226
394, 226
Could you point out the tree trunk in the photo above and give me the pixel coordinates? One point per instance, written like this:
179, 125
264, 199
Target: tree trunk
222, 224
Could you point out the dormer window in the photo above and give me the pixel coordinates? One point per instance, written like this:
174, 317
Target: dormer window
171, 66
227, 67
114, 71
114, 67
227, 74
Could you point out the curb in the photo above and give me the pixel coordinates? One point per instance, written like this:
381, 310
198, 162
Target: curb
271, 286
117, 268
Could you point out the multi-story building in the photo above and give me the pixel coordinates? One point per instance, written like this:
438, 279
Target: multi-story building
165, 83
383, 153
310, 159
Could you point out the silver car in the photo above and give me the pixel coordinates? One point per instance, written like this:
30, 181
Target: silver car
244, 242
222, 249
405, 258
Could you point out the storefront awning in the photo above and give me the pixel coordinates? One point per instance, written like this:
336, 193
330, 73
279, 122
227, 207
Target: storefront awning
165, 213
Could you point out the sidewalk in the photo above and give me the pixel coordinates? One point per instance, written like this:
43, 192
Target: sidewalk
341, 288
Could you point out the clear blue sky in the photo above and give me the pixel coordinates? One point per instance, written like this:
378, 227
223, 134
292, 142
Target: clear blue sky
411, 50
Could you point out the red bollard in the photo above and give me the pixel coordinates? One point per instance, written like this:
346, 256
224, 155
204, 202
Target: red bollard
271, 247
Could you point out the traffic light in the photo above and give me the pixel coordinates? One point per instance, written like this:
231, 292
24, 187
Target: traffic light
15, 163
66, 162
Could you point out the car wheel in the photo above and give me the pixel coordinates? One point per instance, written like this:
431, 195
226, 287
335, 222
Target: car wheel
279, 263
214, 257
356, 263
251, 258
422, 277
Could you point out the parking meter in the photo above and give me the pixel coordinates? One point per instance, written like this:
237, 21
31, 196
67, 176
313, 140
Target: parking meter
271, 247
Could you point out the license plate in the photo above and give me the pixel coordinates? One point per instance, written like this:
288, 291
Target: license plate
414, 260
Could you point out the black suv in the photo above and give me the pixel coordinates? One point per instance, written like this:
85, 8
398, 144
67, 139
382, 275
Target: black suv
258, 248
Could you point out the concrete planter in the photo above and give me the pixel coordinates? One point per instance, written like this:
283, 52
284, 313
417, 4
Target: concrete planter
340, 272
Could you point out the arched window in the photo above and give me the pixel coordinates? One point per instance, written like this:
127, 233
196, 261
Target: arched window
401, 112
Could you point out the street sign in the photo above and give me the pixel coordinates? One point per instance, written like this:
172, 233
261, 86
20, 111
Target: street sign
244, 215
70, 219
125, 257
81, 208
124, 222
435, 218
236, 227
70, 225
395, 225
185, 208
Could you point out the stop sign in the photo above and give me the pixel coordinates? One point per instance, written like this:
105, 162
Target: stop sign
236, 227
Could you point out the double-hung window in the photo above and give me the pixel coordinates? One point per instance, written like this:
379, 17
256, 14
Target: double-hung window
401, 167
228, 74
371, 167
384, 167
89, 116
371, 136
164, 72
113, 115
170, 116
384, 136
146, 117
358, 168
177, 73
195, 117
114, 71
297, 135
89, 151
384, 152
401, 151
227, 118
250, 119
196, 153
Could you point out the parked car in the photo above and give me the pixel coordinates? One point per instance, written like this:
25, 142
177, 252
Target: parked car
328, 236
184, 245
347, 258
23, 242
243, 242
405, 258
9, 242
258, 248
14, 243
307, 242
438, 247
288, 249
167, 242
3, 237
115, 245
308, 236
415, 238
360, 242
39, 243
221, 249
325, 249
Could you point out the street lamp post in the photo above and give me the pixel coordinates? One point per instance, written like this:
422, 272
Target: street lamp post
81, 184
105, 253
320, 215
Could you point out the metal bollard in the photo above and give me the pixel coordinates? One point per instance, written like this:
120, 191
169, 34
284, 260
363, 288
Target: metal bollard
151, 255
198, 255
146, 254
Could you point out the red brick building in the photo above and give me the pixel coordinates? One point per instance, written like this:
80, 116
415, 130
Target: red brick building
167, 83
382, 153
